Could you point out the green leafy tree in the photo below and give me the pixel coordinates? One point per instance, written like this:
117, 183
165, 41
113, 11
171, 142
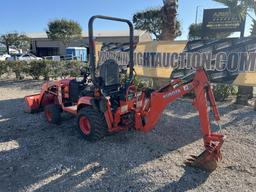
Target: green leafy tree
195, 33
19, 41
64, 30
152, 20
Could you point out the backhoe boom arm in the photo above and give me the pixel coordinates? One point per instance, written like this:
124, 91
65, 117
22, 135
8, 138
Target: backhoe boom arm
200, 85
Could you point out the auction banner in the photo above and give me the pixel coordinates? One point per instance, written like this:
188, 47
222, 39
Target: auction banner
151, 59
231, 60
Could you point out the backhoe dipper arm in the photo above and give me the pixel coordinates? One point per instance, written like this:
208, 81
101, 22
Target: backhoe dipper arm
203, 92
200, 85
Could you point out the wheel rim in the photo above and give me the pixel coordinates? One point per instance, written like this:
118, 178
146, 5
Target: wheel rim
48, 115
85, 125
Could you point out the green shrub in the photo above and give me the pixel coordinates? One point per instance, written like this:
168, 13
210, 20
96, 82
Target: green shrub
20, 68
48, 65
36, 69
72, 68
46, 69
234, 90
222, 92
142, 82
54, 69
43, 68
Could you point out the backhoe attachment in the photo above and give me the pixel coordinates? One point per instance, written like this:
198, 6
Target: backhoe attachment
208, 159
175, 89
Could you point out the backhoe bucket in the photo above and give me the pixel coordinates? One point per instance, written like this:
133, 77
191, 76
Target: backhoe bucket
205, 161
32, 103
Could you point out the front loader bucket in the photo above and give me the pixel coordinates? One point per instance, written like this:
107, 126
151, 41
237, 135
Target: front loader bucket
205, 161
32, 103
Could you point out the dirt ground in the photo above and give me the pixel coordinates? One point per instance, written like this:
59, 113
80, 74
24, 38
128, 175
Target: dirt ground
37, 156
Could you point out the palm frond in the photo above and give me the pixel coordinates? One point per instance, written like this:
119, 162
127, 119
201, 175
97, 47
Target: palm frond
228, 3
237, 7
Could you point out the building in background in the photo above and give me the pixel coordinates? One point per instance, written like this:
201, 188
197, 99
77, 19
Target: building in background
42, 46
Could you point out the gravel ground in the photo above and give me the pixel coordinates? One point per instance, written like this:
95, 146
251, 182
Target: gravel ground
37, 156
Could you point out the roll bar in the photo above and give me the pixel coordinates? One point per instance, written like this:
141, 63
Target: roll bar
92, 63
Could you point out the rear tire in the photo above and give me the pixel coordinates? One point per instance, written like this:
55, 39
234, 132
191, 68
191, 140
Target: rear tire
91, 124
52, 113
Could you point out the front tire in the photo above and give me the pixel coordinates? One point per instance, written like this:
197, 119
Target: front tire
91, 124
52, 113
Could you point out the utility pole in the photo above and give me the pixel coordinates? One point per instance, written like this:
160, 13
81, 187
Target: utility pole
197, 9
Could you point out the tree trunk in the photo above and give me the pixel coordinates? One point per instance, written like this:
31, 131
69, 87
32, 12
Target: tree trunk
8, 49
169, 12
244, 94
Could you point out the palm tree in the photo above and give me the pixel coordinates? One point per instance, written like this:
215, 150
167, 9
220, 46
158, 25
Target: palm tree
241, 8
169, 12
169, 25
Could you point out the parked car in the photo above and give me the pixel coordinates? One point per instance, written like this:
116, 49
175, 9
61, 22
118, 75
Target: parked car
4, 57
24, 57
52, 58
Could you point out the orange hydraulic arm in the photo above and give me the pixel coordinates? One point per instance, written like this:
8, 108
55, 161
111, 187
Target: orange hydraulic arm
200, 85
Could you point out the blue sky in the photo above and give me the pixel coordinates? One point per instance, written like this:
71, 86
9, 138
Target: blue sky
33, 15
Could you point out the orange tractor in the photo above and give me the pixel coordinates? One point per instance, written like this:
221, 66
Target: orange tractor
103, 105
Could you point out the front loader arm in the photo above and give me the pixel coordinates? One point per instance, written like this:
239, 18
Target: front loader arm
201, 87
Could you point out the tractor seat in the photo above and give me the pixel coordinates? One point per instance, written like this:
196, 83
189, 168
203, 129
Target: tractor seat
109, 74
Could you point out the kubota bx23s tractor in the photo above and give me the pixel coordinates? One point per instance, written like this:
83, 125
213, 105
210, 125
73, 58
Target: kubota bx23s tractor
103, 105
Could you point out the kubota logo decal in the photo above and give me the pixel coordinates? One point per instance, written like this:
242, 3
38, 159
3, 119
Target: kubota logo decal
176, 92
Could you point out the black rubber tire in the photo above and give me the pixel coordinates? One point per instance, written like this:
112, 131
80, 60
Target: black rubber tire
98, 125
55, 112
